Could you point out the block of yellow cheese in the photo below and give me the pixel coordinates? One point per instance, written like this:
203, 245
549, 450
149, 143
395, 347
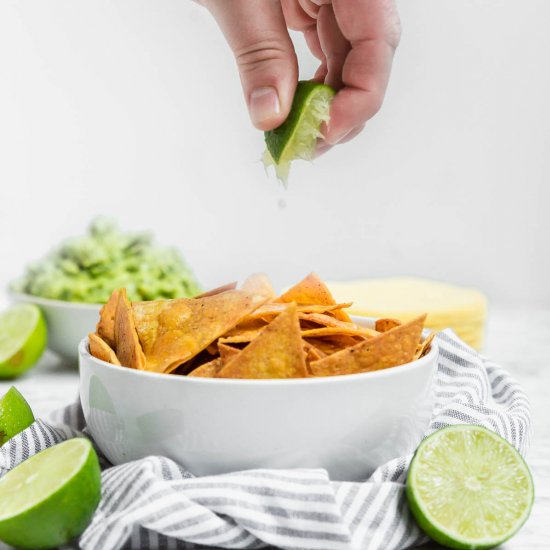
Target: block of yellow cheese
448, 306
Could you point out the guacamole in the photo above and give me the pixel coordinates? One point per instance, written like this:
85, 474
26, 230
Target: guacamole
88, 268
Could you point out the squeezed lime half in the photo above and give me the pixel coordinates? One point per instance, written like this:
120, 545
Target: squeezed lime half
23, 338
15, 414
50, 498
296, 137
468, 488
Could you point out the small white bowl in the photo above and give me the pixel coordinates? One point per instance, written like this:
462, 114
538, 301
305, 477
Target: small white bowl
348, 425
68, 322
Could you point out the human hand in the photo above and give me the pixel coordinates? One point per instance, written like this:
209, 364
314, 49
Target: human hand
354, 40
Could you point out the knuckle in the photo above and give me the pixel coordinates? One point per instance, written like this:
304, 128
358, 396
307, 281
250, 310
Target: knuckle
268, 48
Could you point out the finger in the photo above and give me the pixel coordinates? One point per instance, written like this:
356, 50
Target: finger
334, 45
256, 32
368, 20
312, 40
373, 30
321, 73
296, 18
322, 148
311, 8
365, 77
352, 133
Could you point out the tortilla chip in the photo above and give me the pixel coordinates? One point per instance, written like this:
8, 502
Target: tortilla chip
276, 353
326, 345
313, 353
259, 283
337, 331
345, 340
173, 331
100, 349
389, 349
312, 290
272, 309
246, 325
212, 349
424, 348
323, 320
383, 325
127, 345
241, 338
227, 353
218, 290
194, 363
207, 370
105, 328
330, 321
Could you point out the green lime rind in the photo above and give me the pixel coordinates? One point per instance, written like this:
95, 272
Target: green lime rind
296, 137
15, 414
468, 488
49, 499
306, 91
23, 339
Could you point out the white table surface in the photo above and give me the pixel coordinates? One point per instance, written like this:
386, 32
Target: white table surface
517, 339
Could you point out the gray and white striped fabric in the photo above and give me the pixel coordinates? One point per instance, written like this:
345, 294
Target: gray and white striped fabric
154, 503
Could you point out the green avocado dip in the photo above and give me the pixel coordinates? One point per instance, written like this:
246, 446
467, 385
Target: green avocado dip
87, 269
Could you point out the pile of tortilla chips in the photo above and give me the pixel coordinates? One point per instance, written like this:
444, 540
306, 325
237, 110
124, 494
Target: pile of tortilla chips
252, 333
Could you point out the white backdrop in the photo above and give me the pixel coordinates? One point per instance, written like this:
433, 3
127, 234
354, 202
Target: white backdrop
133, 109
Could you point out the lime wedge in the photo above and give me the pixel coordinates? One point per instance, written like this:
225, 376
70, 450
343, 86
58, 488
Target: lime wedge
296, 137
50, 498
468, 488
15, 415
23, 338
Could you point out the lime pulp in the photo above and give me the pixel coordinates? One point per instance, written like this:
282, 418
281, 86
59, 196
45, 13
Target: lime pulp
23, 338
50, 498
297, 137
468, 488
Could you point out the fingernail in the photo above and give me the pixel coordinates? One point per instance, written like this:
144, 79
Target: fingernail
264, 104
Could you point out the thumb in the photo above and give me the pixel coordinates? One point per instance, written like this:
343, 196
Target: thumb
256, 32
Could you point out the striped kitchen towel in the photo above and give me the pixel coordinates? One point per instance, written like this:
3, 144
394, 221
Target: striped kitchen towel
155, 503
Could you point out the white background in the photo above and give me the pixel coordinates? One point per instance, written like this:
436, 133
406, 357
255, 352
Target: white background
133, 109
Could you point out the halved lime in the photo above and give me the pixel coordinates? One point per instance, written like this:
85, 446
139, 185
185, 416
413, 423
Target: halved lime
50, 498
296, 137
468, 488
15, 415
23, 338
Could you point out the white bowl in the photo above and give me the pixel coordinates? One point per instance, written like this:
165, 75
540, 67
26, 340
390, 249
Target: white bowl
348, 425
68, 322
